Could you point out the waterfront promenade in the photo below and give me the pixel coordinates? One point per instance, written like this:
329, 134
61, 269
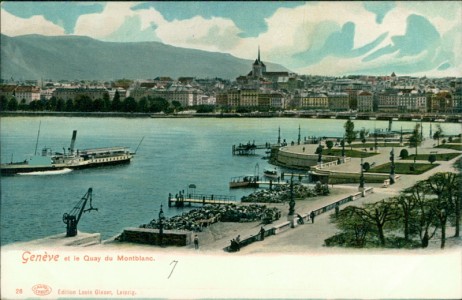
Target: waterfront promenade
302, 238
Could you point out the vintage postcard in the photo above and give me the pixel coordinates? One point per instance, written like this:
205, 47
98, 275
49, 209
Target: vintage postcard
231, 150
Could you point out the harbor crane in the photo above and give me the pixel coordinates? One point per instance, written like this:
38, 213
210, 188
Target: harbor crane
72, 218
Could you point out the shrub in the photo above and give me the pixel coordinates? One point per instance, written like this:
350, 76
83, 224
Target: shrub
366, 166
404, 153
450, 139
432, 158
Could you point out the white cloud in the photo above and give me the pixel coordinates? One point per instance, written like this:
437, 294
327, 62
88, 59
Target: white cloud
14, 26
215, 34
100, 25
290, 31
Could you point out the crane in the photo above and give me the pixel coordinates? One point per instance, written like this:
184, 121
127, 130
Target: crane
72, 218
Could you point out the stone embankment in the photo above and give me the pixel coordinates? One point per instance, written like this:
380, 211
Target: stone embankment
196, 219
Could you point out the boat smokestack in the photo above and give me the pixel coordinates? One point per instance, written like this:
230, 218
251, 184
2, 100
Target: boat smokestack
74, 136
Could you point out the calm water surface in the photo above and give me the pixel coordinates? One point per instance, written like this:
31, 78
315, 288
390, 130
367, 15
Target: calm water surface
174, 154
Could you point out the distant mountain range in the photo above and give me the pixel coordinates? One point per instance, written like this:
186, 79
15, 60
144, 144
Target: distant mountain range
79, 57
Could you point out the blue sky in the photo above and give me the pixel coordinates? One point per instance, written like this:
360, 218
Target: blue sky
323, 38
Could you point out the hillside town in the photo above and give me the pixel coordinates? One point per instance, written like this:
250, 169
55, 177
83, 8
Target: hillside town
259, 90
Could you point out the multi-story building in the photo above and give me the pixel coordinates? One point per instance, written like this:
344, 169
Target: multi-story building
277, 100
338, 101
27, 94
413, 101
184, 94
311, 101
457, 100
365, 101
402, 101
71, 93
249, 97
441, 102
7, 90
387, 101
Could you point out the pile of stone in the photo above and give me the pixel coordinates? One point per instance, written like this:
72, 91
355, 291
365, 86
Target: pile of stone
196, 219
281, 194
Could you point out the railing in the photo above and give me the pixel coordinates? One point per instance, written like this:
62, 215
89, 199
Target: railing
278, 228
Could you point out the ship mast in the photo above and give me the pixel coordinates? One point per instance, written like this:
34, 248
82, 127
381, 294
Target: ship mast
38, 134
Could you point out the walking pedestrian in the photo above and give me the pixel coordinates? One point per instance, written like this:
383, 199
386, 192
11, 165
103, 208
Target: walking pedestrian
262, 233
238, 242
312, 216
196, 242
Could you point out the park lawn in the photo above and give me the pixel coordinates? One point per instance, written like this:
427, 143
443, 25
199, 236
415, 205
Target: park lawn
440, 156
403, 168
451, 146
348, 153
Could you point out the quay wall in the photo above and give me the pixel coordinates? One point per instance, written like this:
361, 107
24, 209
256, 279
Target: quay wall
332, 177
293, 220
152, 237
299, 160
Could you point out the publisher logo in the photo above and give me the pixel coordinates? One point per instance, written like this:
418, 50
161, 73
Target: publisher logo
41, 289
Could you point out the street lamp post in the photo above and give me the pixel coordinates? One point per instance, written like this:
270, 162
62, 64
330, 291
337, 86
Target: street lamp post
392, 167
361, 177
291, 203
161, 225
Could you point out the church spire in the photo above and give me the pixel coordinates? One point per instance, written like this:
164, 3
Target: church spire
258, 53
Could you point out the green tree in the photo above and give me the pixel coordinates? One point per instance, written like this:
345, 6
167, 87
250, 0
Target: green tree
158, 104
116, 103
420, 194
415, 138
98, 105
23, 105
129, 104
354, 228
444, 186
83, 103
69, 105
106, 102
432, 158
60, 105
176, 105
414, 141
407, 206
143, 105
403, 153
12, 104
350, 133
3, 103
438, 134
52, 103
362, 135
329, 144
378, 215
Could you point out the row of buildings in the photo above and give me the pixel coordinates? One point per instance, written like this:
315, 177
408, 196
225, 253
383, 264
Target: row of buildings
260, 89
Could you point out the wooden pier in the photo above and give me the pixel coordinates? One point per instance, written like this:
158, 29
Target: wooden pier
249, 149
181, 200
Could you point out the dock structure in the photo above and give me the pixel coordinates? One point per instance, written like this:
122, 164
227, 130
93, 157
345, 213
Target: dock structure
180, 200
294, 175
249, 149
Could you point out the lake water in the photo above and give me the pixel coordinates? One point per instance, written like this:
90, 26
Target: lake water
174, 154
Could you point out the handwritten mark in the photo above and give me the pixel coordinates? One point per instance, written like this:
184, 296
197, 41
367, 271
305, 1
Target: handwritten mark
171, 272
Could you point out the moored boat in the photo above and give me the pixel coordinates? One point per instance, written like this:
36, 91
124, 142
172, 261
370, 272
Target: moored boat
74, 159
244, 182
271, 173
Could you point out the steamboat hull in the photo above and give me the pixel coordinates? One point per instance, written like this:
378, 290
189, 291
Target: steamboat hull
13, 169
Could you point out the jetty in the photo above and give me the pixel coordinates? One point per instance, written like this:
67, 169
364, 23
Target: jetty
249, 148
179, 200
